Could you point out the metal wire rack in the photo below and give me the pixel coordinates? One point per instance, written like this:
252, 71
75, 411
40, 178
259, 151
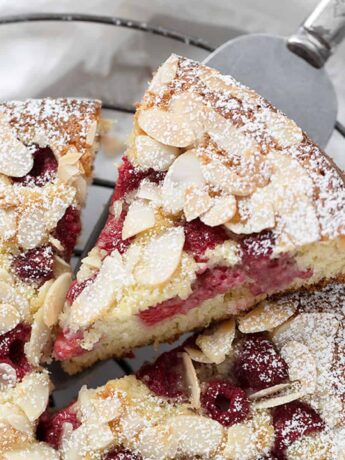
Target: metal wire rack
129, 24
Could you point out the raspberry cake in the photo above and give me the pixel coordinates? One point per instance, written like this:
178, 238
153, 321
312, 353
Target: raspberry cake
221, 200
46, 153
267, 385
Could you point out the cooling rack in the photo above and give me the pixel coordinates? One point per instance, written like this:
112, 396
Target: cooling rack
60, 379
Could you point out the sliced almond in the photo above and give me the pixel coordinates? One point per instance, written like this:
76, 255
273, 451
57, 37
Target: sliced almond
36, 451
55, 299
8, 224
198, 356
16, 418
117, 208
166, 127
283, 129
150, 191
196, 202
216, 343
164, 75
155, 443
196, 435
192, 381
318, 446
31, 232
16, 159
5, 276
39, 338
32, 394
183, 173
9, 318
8, 376
140, 217
277, 395
60, 266
91, 133
222, 210
301, 364
240, 442
154, 154
266, 316
101, 438
161, 257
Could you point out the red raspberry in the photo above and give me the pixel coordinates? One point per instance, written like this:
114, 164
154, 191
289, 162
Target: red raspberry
35, 265
43, 170
67, 345
50, 426
122, 454
68, 229
258, 364
225, 402
129, 178
12, 349
77, 288
199, 237
111, 235
164, 377
292, 421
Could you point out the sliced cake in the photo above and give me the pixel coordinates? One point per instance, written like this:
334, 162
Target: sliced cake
46, 152
220, 201
267, 385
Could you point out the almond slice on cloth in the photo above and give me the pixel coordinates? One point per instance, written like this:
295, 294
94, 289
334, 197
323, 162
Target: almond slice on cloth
39, 338
16, 159
9, 318
55, 299
196, 202
301, 363
222, 209
277, 395
140, 217
154, 154
216, 342
8, 376
192, 381
160, 258
32, 394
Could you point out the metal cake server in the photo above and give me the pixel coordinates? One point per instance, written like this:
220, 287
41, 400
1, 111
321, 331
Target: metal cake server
290, 72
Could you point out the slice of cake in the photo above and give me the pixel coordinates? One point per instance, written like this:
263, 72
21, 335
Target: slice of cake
46, 153
267, 385
220, 201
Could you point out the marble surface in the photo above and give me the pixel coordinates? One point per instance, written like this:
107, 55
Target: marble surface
90, 60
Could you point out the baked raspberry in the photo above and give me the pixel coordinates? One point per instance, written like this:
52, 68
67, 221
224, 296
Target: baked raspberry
164, 377
111, 235
50, 426
199, 237
35, 265
43, 170
67, 230
67, 345
292, 421
122, 454
258, 364
207, 285
12, 349
225, 402
77, 288
130, 177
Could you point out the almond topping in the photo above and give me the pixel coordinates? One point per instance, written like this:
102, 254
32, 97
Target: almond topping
37, 451
8, 376
55, 299
164, 75
198, 356
239, 443
32, 394
284, 130
9, 318
31, 230
16, 418
216, 343
140, 217
150, 191
301, 364
8, 224
223, 209
161, 257
277, 395
39, 338
196, 202
192, 381
153, 154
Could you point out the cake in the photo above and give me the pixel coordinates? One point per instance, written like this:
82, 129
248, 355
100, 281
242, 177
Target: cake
269, 384
47, 149
221, 200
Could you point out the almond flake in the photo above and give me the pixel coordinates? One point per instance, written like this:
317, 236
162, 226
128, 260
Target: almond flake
150, 191
39, 338
161, 257
301, 364
60, 266
140, 217
8, 224
36, 451
91, 133
239, 443
216, 343
31, 230
9, 318
5, 275
283, 129
32, 394
16, 418
198, 356
154, 154
164, 75
277, 395
196, 202
223, 209
117, 208
192, 381
55, 299
8, 376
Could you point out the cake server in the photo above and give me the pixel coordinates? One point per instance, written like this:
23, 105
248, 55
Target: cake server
290, 72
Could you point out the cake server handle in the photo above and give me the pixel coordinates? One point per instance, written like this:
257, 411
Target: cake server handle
321, 32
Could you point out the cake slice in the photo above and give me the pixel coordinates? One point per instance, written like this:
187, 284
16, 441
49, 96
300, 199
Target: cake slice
46, 152
220, 201
266, 385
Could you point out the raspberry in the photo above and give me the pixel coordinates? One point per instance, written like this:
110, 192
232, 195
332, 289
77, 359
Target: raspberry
292, 421
207, 285
50, 426
43, 170
68, 229
122, 454
199, 237
77, 288
258, 364
35, 265
111, 235
67, 345
225, 402
129, 178
164, 377
12, 349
